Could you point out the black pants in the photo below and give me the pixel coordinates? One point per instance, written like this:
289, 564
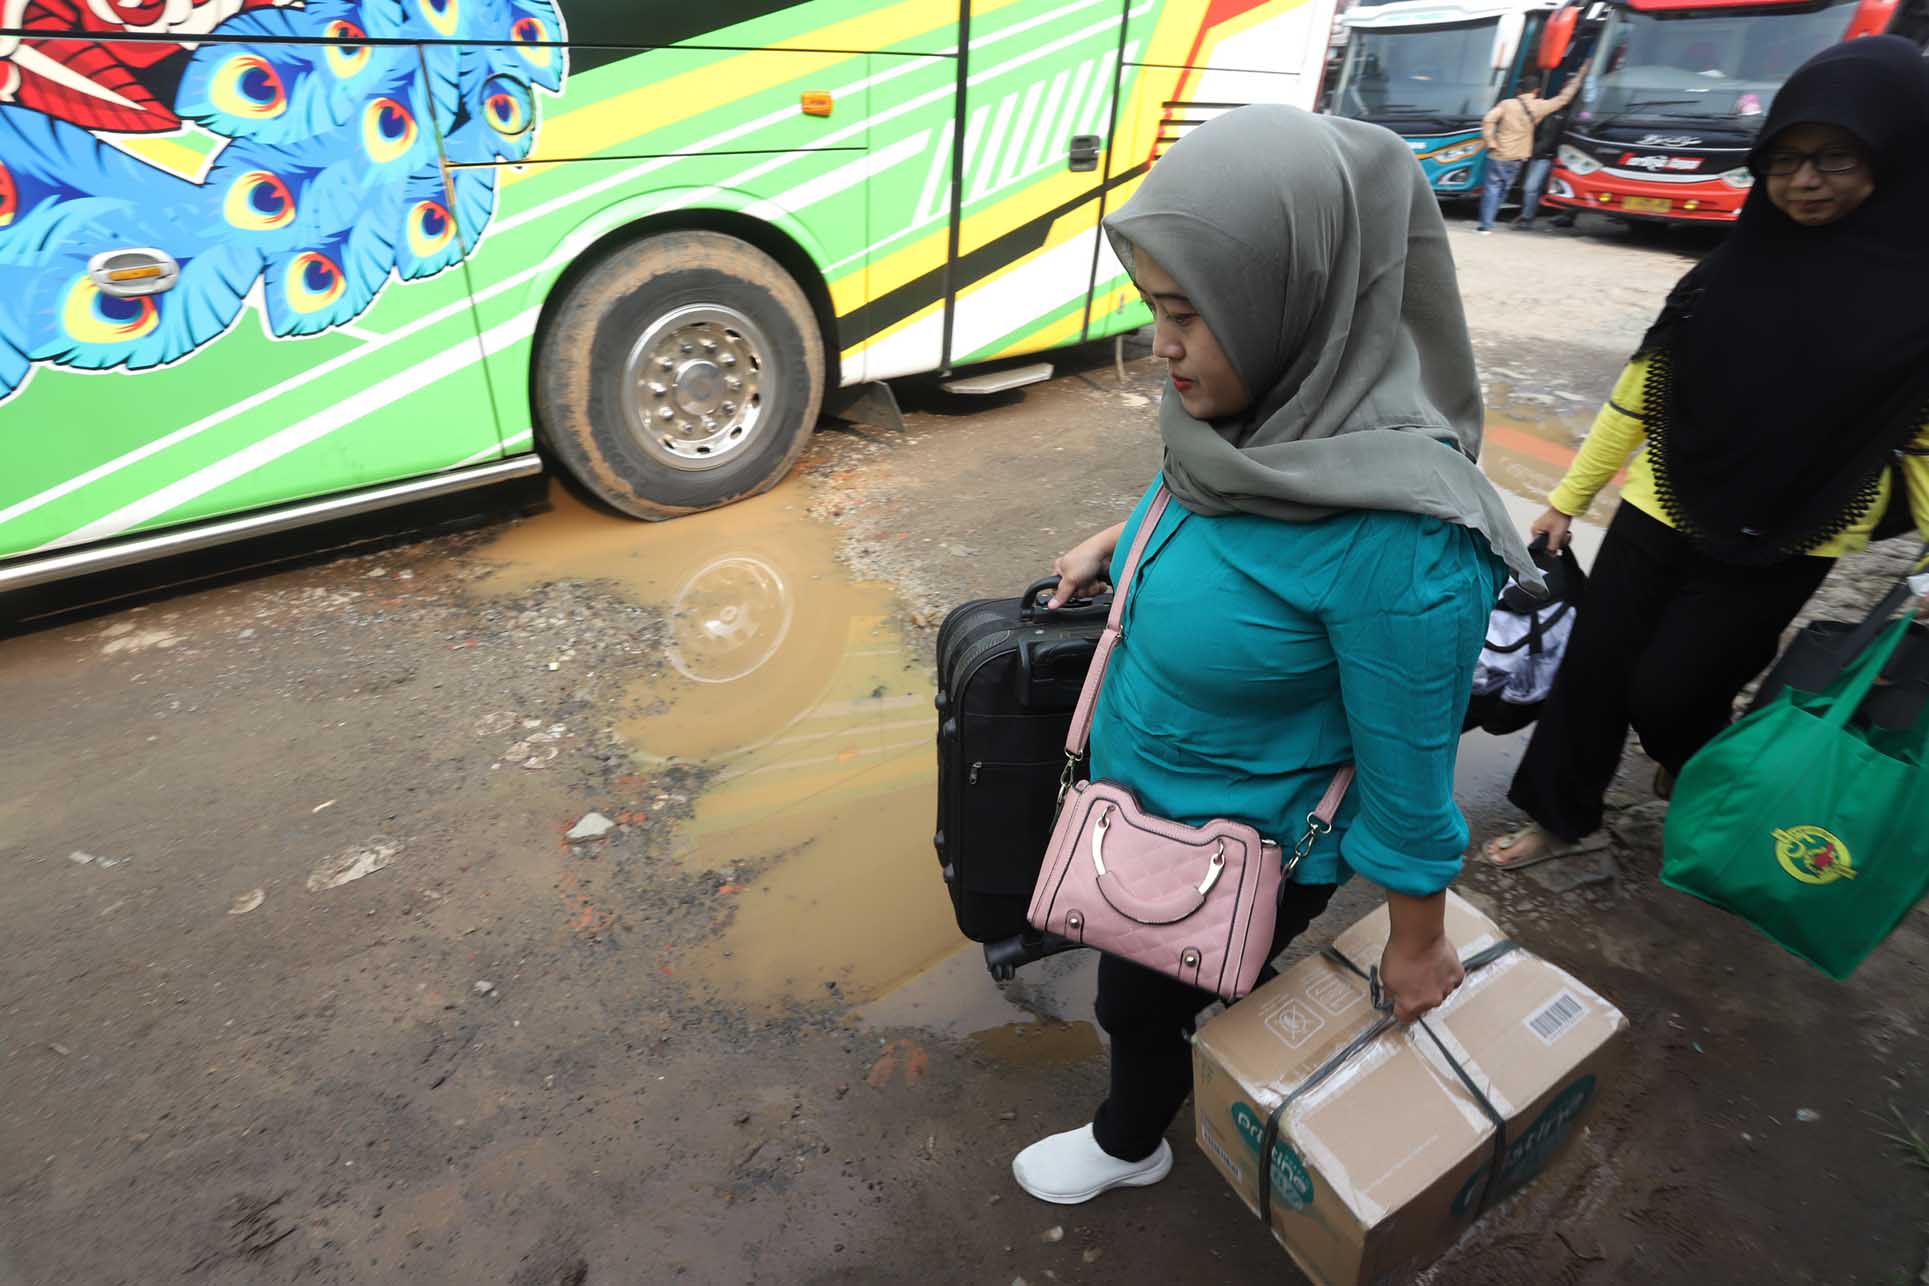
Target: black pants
1148, 1016
1665, 640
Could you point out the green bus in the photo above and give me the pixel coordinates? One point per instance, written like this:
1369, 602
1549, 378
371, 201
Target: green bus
266, 263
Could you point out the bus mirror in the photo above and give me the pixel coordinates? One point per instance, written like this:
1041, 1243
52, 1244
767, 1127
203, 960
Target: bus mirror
1871, 18
1558, 36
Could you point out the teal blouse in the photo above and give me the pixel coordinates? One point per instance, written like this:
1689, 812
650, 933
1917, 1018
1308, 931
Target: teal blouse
1261, 655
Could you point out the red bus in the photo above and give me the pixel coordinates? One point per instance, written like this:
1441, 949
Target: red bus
1679, 91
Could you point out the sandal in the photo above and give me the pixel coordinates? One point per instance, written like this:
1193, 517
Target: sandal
1556, 848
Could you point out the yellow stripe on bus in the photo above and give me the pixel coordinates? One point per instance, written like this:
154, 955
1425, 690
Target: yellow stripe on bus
1074, 224
172, 156
1062, 331
927, 254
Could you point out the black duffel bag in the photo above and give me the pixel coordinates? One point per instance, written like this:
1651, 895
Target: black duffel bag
1814, 660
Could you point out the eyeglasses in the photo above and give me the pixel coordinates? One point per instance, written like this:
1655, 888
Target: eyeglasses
1830, 160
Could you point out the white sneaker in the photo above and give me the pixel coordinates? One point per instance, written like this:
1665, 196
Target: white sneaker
1071, 1168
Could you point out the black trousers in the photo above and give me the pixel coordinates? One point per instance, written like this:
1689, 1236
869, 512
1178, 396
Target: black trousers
1665, 640
1149, 1016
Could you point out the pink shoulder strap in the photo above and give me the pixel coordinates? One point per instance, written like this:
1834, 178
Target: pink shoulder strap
1079, 734
1081, 730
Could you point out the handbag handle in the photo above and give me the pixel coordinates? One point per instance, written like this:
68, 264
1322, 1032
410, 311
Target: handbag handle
1318, 822
1167, 910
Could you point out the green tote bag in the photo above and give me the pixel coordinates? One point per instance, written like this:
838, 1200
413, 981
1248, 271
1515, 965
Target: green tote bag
1811, 827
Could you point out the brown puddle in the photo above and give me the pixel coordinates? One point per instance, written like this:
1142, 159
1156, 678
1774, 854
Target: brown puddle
794, 685
1040, 1043
1527, 447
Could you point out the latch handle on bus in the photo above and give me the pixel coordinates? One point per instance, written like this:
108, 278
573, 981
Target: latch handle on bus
1084, 152
133, 272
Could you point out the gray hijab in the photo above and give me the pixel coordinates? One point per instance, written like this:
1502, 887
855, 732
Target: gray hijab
1315, 251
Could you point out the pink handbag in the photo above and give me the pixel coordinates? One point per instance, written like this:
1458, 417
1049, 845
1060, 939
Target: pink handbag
1196, 902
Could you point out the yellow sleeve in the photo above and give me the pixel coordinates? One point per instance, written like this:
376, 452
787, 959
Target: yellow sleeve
1617, 434
1915, 476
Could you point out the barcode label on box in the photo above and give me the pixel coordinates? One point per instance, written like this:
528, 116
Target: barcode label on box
1234, 1171
1551, 1023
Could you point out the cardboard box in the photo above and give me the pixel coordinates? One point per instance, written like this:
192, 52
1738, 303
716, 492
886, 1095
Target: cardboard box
1381, 1165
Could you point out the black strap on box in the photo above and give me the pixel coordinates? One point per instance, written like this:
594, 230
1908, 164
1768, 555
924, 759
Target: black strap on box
1269, 1138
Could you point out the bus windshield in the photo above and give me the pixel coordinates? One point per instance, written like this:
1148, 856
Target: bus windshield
1703, 65
1407, 72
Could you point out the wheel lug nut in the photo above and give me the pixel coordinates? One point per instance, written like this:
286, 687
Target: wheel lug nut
658, 389
728, 408
666, 414
688, 348
729, 359
664, 363
709, 345
733, 383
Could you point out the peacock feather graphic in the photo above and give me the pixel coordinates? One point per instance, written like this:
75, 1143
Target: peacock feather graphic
336, 116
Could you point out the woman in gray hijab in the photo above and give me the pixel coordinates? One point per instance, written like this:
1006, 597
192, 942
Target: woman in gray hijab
1320, 591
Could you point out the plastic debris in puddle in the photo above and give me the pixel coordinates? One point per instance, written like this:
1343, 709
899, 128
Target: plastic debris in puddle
795, 686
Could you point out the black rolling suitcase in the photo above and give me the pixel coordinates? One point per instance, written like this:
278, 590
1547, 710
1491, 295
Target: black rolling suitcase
1009, 674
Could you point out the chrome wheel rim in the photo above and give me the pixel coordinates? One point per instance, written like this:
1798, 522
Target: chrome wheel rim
693, 387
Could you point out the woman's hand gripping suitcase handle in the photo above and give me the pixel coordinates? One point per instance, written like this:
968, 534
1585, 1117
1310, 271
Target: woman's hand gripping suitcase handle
1082, 569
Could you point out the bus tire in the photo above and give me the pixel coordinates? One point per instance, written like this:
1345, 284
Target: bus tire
681, 372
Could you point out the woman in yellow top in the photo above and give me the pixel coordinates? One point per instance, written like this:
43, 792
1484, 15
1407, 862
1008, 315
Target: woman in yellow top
1787, 375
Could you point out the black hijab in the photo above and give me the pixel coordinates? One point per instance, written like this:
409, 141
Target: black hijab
1791, 364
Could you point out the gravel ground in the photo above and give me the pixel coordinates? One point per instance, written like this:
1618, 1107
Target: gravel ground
307, 981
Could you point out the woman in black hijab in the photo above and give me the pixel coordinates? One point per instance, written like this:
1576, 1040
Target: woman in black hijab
1775, 391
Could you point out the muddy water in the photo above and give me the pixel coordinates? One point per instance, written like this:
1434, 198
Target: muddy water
1528, 445
794, 686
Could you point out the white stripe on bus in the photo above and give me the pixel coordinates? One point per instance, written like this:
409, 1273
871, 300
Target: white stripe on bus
841, 179
501, 448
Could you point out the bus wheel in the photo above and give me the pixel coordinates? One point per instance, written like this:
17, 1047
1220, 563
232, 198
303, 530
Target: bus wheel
679, 373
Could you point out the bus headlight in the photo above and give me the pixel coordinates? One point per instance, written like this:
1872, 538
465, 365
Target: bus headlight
1739, 178
1458, 152
1576, 161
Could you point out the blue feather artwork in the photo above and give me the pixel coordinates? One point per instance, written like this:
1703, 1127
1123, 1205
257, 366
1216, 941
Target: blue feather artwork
338, 115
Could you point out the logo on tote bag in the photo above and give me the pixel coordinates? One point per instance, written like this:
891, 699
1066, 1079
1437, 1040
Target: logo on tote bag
1813, 855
